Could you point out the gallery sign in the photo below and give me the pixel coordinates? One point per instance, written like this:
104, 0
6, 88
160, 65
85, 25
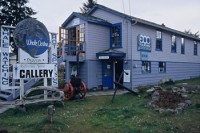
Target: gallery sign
27, 71
32, 37
144, 43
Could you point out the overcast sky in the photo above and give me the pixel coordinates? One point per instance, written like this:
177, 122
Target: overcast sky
176, 14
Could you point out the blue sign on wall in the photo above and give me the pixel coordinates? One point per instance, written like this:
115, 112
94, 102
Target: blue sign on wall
144, 55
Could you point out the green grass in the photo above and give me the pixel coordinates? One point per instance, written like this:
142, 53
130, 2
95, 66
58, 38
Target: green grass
128, 114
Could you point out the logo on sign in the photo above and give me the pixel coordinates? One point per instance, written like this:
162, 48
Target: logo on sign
37, 45
144, 43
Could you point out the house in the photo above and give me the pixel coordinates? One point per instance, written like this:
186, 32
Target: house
116, 44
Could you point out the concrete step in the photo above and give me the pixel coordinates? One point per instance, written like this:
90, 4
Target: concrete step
6, 92
4, 96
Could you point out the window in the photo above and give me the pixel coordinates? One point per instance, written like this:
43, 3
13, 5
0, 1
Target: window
182, 45
161, 67
158, 40
82, 33
116, 36
173, 46
74, 38
146, 66
195, 48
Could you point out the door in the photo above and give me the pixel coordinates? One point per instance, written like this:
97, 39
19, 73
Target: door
107, 78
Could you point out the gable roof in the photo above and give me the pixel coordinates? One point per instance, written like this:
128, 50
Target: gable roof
85, 17
136, 20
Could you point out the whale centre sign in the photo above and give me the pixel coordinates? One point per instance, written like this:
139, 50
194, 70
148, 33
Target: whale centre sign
32, 39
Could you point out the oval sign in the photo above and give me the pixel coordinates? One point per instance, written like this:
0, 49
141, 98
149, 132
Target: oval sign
31, 36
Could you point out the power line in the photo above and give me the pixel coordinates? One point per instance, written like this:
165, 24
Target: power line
123, 6
130, 7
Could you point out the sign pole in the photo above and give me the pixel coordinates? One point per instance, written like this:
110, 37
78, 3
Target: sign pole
45, 91
21, 89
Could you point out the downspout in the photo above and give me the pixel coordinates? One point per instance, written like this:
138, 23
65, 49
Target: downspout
132, 52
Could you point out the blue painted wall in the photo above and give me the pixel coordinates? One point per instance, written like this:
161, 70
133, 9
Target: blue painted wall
178, 66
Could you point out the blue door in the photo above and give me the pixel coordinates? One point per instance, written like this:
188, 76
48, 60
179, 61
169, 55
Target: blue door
107, 74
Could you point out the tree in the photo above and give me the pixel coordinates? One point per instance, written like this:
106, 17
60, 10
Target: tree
190, 33
12, 12
87, 6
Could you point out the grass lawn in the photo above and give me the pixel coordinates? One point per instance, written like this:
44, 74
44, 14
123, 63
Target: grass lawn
128, 114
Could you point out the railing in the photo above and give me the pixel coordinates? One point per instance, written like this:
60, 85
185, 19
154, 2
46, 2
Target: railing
72, 49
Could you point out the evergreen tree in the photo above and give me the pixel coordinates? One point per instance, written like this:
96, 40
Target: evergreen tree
190, 33
87, 6
12, 12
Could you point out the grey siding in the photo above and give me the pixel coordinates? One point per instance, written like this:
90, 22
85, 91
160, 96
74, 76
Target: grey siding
165, 54
71, 23
94, 74
97, 39
174, 70
126, 29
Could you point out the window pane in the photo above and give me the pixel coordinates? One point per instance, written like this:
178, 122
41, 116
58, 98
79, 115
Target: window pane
116, 36
158, 40
182, 45
195, 48
158, 35
146, 67
173, 45
162, 67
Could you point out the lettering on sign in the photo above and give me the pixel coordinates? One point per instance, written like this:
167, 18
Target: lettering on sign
53, 59
144, 43
5, 34
25, 71
103, 57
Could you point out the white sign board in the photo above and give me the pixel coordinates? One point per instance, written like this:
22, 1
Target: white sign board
27, 71
127, 76
103, 57
4, 69
24, 57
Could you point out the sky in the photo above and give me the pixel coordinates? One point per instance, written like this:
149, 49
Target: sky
180, 15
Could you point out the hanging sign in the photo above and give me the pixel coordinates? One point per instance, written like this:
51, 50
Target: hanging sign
5, 34
27, 71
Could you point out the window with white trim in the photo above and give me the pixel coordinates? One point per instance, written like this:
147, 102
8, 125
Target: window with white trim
161, 67
182, 45
173, 45
146, 67
158, 40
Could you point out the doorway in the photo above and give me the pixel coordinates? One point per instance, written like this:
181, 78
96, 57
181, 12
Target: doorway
107, 70
118, 71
